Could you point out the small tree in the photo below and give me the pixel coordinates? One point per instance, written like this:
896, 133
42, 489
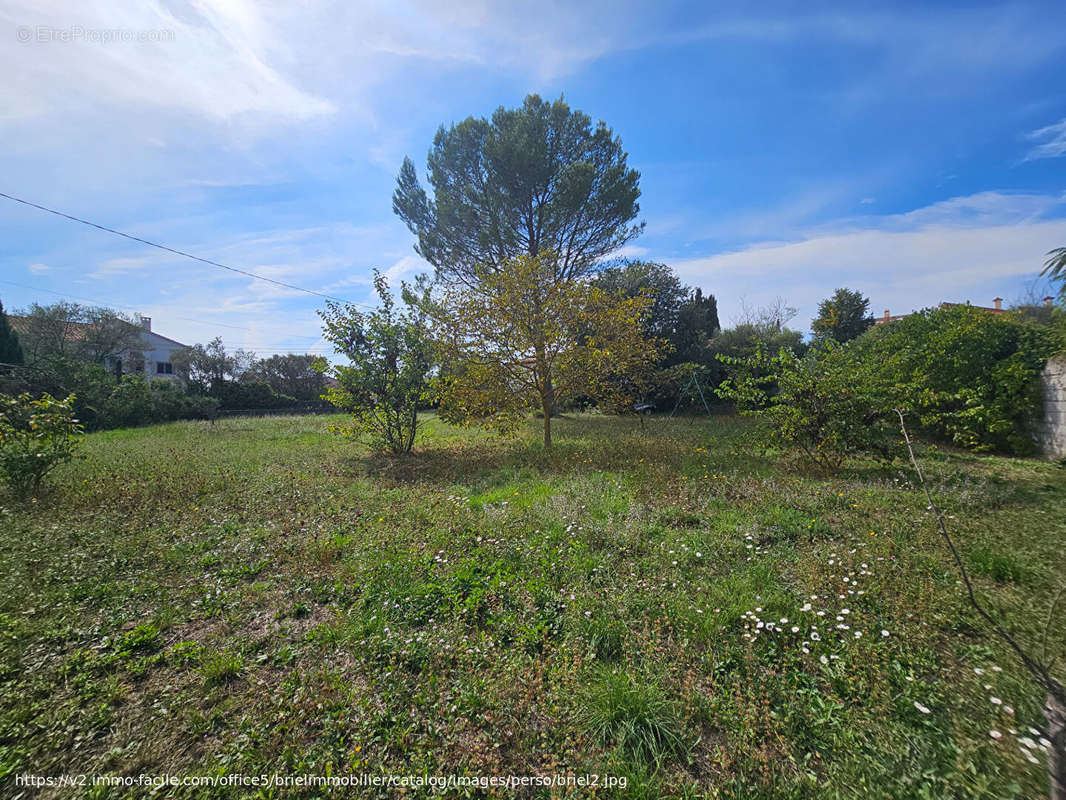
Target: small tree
208, 367
842, 317
36, 436
522, 338
390, 359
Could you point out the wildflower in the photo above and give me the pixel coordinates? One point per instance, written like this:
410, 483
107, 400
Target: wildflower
920, 707
884, 632
824, 660
795, 629
995, 701
994, 734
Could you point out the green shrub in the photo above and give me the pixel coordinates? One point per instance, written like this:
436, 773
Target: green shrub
828, 405
36, 436
970, 377
136, 401
238, 395
963, 374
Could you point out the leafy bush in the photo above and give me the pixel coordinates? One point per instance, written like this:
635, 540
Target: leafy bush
965, 375
388, 375
240, 395
36, 436
970, 377
137, 401
829, 404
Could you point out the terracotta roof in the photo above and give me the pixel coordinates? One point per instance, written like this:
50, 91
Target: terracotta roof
77, 331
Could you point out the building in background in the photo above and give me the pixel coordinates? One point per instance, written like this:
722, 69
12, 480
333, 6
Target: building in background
154, 356
997, 308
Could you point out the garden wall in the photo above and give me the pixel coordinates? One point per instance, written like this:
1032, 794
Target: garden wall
1052, 431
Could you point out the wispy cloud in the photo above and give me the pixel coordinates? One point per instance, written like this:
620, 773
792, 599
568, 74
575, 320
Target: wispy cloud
1053, 144
214, 61
967, 248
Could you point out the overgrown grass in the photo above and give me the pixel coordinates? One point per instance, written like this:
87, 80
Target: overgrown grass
258, 596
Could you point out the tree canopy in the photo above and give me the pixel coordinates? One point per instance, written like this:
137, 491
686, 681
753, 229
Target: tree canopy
211, 365
532, 180
682, 316
667, 294
73, 331
523, 338
290, 374
843, 316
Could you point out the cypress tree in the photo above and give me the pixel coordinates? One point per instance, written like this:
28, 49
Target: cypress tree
10, 349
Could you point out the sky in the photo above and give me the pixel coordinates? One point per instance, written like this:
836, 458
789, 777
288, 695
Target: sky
916, 154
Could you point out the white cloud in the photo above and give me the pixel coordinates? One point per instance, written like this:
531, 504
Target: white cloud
1054, 144
211, 60
39, 269
967, 248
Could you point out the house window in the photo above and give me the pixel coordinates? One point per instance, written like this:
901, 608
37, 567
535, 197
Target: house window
164, 368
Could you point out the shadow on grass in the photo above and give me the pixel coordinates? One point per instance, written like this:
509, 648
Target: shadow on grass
581, 444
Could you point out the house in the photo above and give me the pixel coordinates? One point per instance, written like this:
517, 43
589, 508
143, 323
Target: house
997, 308
158, 349
155, 360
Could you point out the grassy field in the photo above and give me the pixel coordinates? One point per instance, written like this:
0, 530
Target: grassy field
259, 596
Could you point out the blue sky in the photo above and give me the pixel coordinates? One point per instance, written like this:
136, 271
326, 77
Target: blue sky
917, 154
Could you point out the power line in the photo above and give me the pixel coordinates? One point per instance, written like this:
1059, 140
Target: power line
173, 250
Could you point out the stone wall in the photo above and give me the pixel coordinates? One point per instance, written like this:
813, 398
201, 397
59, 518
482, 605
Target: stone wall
1051, 433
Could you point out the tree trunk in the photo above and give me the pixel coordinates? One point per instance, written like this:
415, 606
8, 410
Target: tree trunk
546, 407
549, 392
1055, 714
